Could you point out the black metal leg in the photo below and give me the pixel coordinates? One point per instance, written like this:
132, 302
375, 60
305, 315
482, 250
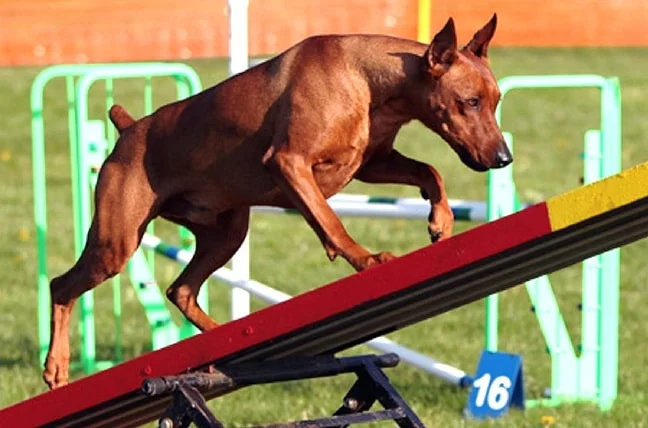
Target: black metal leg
391, 399
188, 406
359, 399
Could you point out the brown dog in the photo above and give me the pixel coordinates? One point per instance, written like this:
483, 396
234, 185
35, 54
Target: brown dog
289, 132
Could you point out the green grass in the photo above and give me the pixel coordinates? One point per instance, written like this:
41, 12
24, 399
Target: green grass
548, 127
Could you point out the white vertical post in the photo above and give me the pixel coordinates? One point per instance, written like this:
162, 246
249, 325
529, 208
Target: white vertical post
238, 62
241, 268
238, 35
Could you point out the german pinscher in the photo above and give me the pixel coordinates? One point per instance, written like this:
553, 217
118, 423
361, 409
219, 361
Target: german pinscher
289, 132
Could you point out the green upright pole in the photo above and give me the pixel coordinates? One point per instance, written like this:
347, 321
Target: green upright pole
40, 211
82, 204
109, 131
498, 203
148, 109
610, 282
592, 276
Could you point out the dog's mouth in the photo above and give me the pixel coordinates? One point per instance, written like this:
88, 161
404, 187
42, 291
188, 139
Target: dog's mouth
468, 159
463, 153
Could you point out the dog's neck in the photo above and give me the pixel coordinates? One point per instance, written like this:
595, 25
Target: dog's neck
390, 76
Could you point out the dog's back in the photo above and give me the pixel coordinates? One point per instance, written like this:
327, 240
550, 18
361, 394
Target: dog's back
323, 73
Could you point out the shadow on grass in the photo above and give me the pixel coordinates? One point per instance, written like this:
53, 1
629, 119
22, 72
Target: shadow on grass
426, 395
20, 351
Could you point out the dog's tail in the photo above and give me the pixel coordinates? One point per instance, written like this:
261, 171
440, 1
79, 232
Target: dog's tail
120, 118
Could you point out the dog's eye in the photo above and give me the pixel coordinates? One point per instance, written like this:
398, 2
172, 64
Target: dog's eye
473, 102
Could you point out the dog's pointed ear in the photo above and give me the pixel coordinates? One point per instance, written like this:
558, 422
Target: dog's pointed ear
442, 52
480, 41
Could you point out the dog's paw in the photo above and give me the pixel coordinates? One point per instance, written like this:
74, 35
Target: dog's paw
440, 223
373, 260
435, 235
383, 257
440, 230
56, 373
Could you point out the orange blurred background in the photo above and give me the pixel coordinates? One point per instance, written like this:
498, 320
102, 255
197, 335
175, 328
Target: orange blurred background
70, 31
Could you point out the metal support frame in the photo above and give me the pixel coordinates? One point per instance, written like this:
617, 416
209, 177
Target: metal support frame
189, 405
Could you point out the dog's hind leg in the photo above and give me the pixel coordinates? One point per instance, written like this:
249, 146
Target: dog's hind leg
215, 245
398, 169
123, 208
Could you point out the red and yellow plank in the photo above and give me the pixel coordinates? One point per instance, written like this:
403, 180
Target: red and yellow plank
115, 391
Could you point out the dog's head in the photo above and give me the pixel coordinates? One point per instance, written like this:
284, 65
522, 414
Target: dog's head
460, 95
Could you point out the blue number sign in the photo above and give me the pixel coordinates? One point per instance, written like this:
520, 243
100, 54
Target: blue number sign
497, 385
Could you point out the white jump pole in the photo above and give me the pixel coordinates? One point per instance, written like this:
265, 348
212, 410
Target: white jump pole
349, 205
238, 62
270, 295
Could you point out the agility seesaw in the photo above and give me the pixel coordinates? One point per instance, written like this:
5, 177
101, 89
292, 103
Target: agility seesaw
438, 278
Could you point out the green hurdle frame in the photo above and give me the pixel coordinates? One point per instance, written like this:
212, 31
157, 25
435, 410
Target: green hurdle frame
591, 376
90, 140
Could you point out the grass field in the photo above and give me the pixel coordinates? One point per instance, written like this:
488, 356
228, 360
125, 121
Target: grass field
548, 126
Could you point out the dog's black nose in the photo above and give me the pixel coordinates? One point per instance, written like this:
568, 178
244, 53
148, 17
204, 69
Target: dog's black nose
503, 157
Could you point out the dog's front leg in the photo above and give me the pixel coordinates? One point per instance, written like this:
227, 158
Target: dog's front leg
295, 178
398, 169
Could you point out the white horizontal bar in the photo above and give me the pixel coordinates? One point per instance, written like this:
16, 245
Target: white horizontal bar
410, 208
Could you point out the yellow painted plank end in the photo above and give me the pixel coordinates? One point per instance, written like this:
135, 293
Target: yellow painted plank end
597, 198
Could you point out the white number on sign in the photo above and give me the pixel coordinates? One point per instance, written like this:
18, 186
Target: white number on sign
496, 391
